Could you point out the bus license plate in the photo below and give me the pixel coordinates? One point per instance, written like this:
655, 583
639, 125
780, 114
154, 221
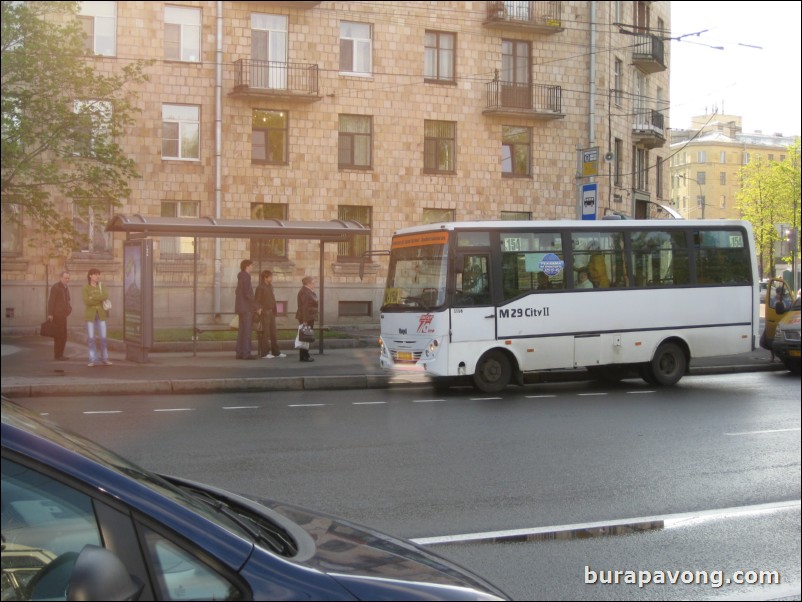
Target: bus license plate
405, 355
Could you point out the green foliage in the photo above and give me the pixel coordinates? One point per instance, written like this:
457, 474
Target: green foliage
61, 120
769, 196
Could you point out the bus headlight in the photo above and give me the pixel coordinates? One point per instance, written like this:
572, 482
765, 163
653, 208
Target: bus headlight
431, 349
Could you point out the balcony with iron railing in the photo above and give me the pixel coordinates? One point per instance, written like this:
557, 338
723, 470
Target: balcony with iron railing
648, 54
541, 17
648, 130
274, 79
523, 100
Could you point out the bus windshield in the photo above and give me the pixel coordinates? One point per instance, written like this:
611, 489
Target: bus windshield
417, 272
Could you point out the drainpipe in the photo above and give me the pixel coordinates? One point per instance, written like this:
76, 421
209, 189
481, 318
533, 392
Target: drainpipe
218, 159
592, 75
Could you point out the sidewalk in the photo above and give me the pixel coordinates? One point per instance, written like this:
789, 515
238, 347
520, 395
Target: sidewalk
29, 371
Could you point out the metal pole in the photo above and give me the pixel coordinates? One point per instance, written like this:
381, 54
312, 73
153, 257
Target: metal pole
321, 305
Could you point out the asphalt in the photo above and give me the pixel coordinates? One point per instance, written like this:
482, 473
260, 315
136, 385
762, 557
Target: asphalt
28, 369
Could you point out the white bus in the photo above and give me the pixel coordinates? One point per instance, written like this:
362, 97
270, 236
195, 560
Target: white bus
494, 300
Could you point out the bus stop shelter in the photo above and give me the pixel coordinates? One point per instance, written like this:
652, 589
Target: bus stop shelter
139, 227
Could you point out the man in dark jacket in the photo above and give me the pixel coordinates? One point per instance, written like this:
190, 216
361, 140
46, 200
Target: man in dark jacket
266, 298
58, 308
245, 306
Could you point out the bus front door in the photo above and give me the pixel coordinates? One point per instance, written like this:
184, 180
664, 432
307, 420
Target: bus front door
473, 315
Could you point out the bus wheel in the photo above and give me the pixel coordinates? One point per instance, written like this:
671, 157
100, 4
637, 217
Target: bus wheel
493, 372
668, 364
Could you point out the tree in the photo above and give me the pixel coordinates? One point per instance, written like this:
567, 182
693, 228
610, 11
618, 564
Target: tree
61, 119
768, 194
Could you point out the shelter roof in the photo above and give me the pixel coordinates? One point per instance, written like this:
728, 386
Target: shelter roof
209, 227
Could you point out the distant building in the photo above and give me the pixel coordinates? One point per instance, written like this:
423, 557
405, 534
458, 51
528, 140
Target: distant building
388, 113
706, 161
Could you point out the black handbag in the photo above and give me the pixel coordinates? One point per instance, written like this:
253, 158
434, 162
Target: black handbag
47, 329
306, 334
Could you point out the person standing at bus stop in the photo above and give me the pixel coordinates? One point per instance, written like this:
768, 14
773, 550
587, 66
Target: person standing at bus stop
245, 306
307, 311
95, 315
58, 308
266, 298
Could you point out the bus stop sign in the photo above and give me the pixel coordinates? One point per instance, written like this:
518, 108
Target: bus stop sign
589, 196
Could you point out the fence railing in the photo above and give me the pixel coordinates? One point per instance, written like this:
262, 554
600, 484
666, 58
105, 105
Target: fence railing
272, 75
533, 97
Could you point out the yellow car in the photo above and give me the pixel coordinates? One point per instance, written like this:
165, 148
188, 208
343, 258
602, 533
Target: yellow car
781, 334
786, 338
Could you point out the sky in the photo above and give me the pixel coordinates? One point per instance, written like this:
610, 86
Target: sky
755, 76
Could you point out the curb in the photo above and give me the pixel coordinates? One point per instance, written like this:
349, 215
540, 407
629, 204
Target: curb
298, 383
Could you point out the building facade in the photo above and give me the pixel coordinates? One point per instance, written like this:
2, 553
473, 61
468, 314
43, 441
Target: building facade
706, 162
388, 113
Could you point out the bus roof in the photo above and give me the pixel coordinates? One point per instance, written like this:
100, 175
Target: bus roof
574, 225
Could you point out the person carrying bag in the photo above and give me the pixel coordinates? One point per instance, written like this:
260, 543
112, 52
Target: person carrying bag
306, 316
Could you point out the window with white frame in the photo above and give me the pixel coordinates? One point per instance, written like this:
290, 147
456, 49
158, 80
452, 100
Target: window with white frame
178, 246
355, 142
182, 33
269, 67
722, 157
181, 132
516, 150
99, 22
92, 130
355, 48
701, 157
618, 82
358, 245
90, 223
438, 56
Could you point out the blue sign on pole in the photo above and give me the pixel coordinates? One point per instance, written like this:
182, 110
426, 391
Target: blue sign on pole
589, 196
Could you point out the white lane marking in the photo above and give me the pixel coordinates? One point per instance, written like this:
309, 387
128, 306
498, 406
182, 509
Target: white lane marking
538, 396
241, 407
665, 521
175, 410
306, 405
104, 412
368, 403
794, 430
590, 394
484, 398
426, 400
639, 392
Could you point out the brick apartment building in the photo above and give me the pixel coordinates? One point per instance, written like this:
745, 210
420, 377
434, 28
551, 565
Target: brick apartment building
388, 113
